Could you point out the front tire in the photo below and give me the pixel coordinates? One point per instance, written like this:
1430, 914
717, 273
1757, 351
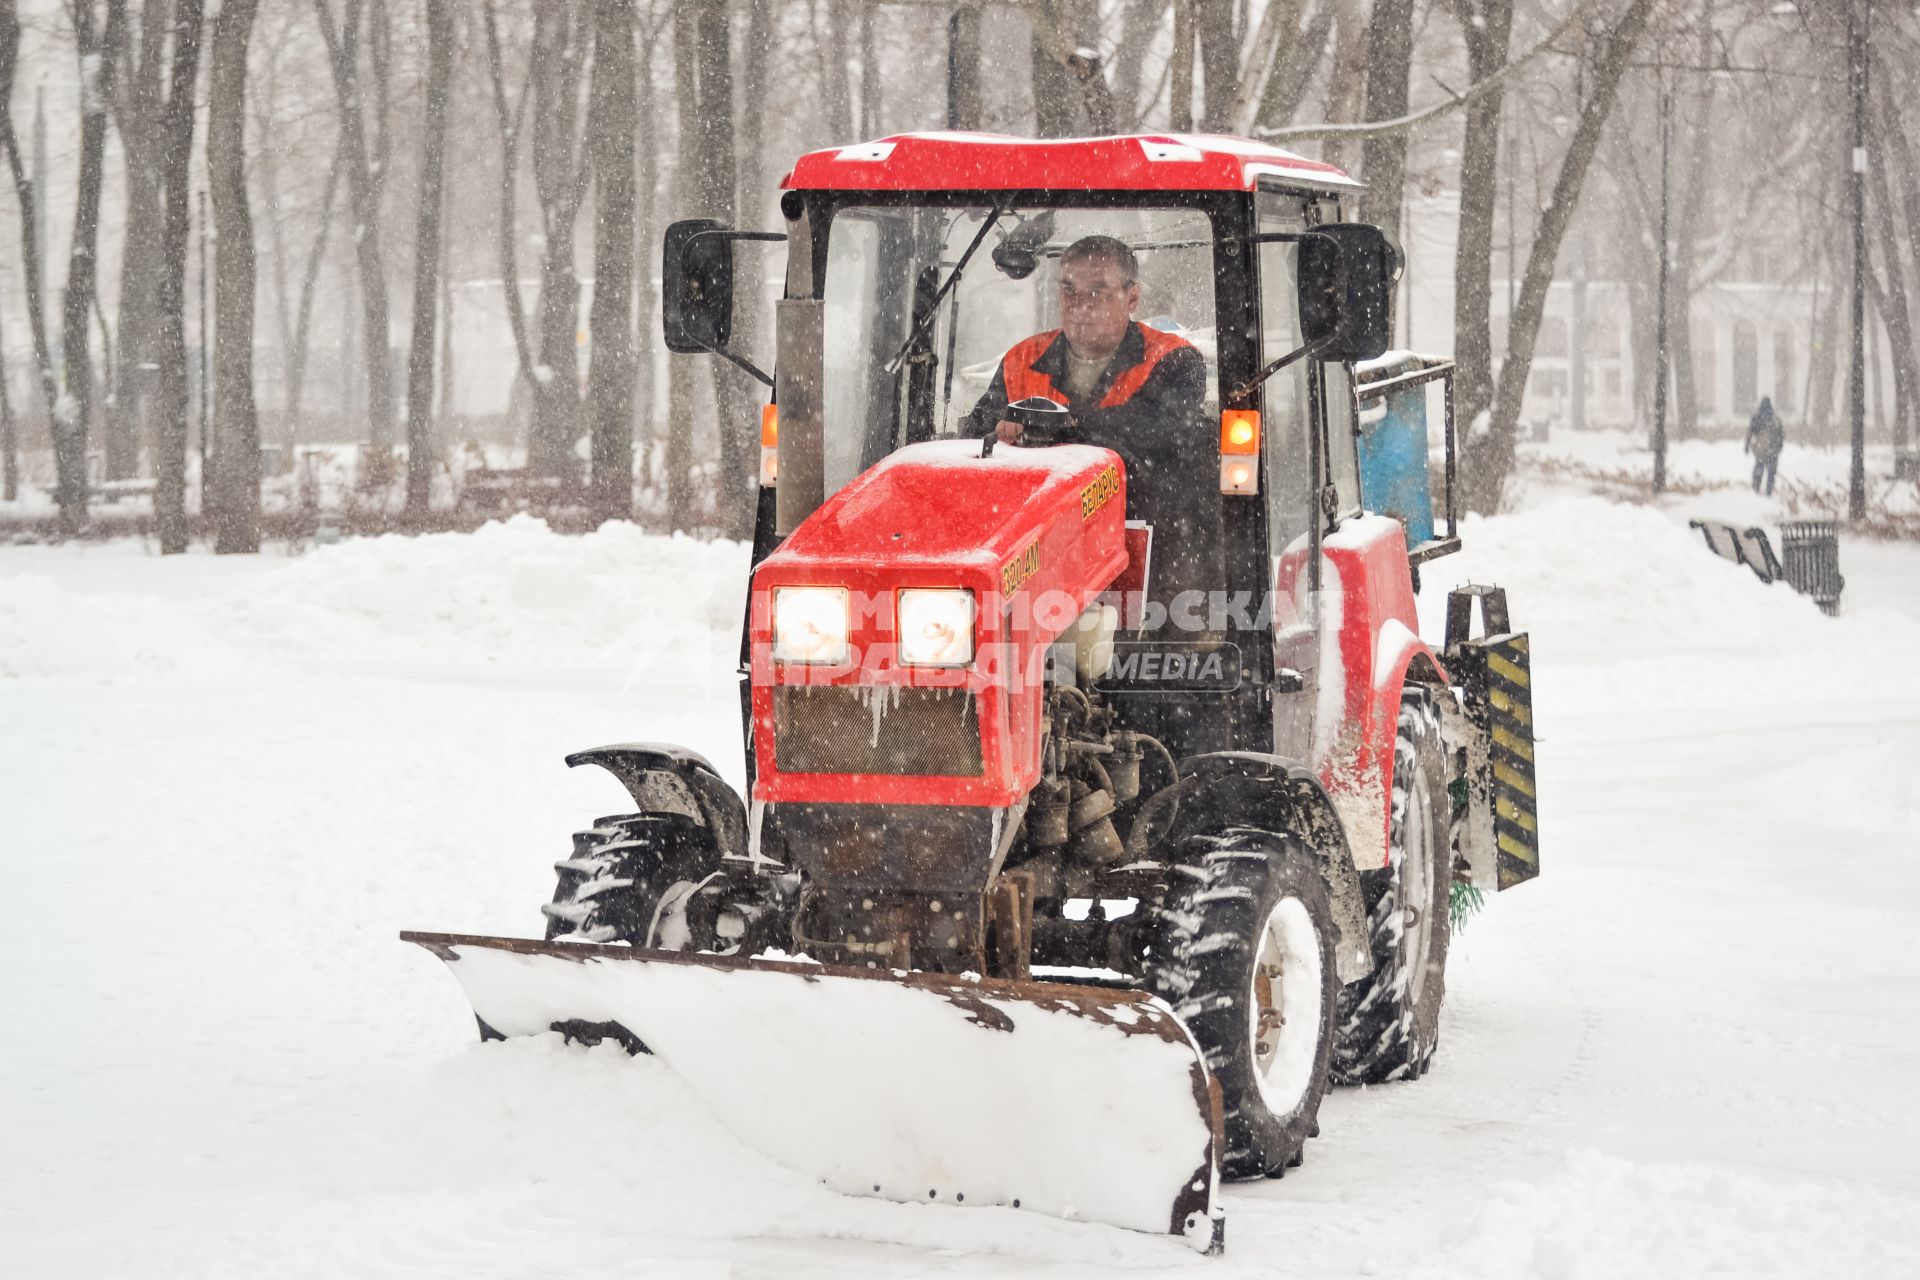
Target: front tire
654, 880
1244, 954
1390, 1020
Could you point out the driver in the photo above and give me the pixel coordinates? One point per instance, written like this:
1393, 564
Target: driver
1135, 390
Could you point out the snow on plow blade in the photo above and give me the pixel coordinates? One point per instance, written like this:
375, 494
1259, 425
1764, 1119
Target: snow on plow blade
1078, 1102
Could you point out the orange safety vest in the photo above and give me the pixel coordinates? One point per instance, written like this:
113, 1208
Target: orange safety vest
1023, 380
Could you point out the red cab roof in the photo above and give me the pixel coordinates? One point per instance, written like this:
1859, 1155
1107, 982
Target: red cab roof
996, 162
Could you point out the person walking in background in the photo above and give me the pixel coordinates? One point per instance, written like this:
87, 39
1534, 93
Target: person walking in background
1765, 438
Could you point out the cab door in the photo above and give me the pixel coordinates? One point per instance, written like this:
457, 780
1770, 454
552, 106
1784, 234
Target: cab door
1311, 475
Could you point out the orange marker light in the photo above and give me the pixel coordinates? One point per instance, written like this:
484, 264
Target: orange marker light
1240, 432
770, 444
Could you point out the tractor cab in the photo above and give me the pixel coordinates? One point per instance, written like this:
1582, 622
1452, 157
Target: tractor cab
918, 266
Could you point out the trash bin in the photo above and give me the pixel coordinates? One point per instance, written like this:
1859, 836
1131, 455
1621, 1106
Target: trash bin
1810, 561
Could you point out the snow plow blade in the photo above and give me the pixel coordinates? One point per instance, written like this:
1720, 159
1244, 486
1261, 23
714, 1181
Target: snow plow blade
1079, 1102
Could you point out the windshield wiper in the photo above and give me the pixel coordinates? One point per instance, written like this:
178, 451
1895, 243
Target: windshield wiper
932, 312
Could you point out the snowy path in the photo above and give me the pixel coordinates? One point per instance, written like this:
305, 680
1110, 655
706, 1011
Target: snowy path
1688, 1050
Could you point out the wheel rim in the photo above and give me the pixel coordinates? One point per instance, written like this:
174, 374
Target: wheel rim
670, 931
1416, 888
1284, 1013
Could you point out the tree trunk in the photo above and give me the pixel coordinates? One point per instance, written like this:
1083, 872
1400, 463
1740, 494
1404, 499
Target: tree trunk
719, 175
1137, 30
690, 157
560, 183
1180, 92
137, 111
1698, 168
1824, 359
9, 443
509, 119
647, 239
309, 287
1488, 28
426, 263
170, 344
1220, 63
236, 480
1347, 79
1383, 156
1890, 151
836, 85
364, 184
1053, 97
1893, 303
1300, 54
1490, 458
30, 264
73, 414
740, 395
610, 378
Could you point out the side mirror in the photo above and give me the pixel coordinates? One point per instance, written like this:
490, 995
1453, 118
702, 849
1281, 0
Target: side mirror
1347, 274
696, 286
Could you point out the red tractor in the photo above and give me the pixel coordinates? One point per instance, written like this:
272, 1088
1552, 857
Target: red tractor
1105, 804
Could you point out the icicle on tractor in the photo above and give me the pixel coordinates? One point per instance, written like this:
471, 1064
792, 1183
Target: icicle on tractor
1104, 804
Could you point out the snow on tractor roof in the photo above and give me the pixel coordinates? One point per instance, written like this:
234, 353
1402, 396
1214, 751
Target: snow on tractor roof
940, 161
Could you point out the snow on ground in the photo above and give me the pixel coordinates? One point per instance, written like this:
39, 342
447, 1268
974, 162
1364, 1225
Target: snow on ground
1687, 1050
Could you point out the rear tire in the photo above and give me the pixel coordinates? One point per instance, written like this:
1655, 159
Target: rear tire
1244, 954
1390, 1020
654, 880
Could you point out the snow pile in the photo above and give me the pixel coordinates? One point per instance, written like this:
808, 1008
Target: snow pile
50, 632
1599, 582
512, 590
512, 593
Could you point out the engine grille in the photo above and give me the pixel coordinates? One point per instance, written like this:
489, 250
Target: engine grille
859, 729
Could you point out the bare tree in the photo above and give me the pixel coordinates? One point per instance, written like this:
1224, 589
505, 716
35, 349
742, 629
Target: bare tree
95, 46
1488, 27
139, 106
9, 443
689, 159
30, 263
716, 175
1296, 61
610, 378
836, 98
1219, 37
1490, 457
426, 261
554, 68
1888, 154
1383, 156
561, 169
646, 235
1346, 78
366, 179
170, 344
236, 457
1180, 100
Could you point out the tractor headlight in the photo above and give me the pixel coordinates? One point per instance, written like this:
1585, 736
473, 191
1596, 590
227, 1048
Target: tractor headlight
810, 624
936, 628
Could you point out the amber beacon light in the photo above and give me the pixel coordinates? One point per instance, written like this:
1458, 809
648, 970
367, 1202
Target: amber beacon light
1239, 451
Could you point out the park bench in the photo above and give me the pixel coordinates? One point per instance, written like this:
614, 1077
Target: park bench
1809, 559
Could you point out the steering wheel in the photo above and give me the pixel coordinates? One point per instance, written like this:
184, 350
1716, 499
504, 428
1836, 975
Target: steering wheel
1043, 422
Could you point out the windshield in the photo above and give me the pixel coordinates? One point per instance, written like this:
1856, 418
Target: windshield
893, 378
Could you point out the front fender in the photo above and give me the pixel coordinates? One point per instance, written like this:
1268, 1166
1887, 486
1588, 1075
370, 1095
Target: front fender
663, 778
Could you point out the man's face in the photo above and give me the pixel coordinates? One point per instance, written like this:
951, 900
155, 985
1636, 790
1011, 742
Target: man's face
1096, 302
